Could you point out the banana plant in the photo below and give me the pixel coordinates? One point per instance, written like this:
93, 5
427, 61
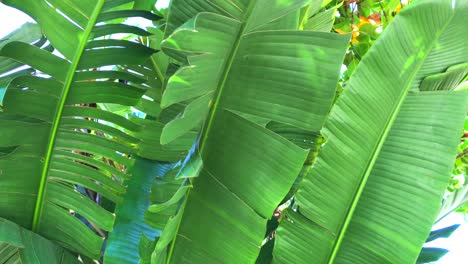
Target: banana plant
244, 68
376, 187
50, 138
250, 94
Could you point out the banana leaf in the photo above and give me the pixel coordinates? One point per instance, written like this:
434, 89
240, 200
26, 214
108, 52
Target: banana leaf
53, 143
376, 187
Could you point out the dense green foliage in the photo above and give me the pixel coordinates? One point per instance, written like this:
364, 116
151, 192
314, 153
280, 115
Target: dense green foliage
240, 131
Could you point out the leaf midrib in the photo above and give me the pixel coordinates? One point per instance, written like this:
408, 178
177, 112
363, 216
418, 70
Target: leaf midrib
379, 145
56, 121
207, 129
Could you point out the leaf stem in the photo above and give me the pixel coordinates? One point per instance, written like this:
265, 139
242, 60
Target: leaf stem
377, 149
461, 155
383, 11
206, 130
38, 209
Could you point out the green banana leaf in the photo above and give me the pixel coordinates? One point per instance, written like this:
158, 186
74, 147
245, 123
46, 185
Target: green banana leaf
144, 4
453, 201
442, 233
132, 240
376, 187
123, 242
244, 66
18, 245
27, 33
323, 21
313, 19
431, 254
51, 141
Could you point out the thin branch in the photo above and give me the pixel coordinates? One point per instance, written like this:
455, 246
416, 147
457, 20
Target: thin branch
461, 155
98, 230
383, 11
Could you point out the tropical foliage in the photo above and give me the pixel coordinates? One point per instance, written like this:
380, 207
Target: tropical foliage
47, 150
241, 131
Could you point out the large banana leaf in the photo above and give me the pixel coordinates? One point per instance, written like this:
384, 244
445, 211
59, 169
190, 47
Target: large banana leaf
376, 187
18, 245
245, 66
50, 142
